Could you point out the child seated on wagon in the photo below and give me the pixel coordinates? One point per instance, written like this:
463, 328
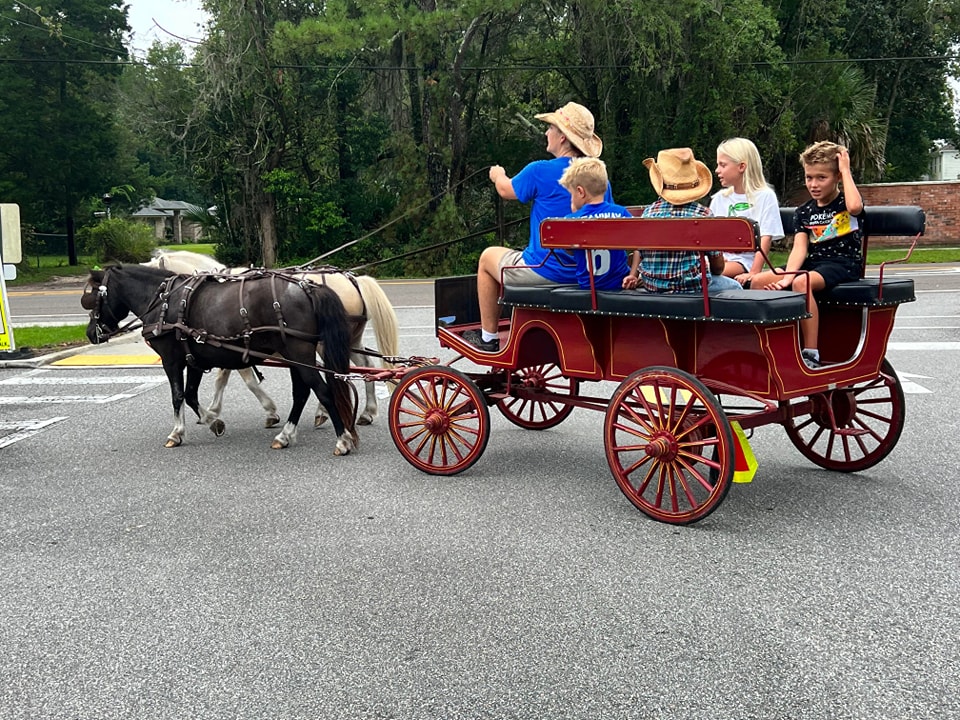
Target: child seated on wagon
586, 180
828, 240
680, 181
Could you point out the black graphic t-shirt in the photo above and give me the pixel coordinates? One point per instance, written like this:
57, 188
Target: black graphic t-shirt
832, 232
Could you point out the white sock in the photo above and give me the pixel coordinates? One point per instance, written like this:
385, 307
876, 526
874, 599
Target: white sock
488, 336
813, 352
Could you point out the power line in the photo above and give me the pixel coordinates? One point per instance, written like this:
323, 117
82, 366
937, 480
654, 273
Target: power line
486, 68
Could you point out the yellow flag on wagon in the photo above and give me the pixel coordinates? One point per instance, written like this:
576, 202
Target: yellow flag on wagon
745, 462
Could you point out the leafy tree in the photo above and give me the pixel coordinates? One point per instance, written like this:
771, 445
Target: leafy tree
58, 73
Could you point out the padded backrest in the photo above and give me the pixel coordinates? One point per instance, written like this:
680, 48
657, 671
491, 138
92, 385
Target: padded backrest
702, 234
882, 221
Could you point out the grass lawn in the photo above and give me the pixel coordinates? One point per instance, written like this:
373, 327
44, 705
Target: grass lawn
50, 339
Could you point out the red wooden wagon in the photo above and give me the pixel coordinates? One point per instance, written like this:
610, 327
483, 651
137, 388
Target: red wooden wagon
688, 367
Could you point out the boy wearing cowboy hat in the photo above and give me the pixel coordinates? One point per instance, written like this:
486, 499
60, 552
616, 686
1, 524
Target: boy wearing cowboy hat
569, 134
680, 180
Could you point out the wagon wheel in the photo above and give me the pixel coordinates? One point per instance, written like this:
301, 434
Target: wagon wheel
868, 419
669, 445
439, 420
535, 413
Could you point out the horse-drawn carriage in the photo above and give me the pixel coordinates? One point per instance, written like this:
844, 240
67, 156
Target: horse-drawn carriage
691, 369
694, 371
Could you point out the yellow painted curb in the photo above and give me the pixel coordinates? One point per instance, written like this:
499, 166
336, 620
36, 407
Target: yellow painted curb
91, 360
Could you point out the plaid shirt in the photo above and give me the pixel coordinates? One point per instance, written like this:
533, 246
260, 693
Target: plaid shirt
662, 271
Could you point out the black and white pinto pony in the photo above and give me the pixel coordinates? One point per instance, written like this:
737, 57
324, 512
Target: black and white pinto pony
199, 322
363, 299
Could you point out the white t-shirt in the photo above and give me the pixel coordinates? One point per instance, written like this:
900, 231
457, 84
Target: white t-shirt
764, 208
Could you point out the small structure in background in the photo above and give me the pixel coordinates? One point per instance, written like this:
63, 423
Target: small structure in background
944, 161
168, 221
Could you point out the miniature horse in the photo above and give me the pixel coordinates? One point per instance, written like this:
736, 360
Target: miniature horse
196, 323
363, 299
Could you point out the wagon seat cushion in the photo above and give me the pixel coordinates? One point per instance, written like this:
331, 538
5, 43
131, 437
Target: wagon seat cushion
749, 306
532, 295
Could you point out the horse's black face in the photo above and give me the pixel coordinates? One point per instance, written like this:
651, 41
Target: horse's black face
104, 316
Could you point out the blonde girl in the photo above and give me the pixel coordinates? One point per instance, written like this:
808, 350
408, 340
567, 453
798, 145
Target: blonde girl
745, 193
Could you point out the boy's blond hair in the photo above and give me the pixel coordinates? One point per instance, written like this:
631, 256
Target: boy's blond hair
589, 173
822, 153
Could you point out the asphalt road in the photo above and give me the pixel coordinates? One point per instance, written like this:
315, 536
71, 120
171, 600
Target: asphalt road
225, 580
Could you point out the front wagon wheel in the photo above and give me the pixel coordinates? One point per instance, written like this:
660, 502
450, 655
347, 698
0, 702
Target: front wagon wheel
852, 428
669, 445
439, 420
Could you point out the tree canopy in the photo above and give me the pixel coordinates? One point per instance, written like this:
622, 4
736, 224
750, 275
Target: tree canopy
310, 126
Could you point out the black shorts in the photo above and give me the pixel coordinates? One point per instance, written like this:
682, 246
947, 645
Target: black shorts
833, 270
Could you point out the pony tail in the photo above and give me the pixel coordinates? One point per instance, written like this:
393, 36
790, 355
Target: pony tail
332, 328
334, 332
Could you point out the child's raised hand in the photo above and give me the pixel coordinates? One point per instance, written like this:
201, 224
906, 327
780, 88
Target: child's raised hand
843, 160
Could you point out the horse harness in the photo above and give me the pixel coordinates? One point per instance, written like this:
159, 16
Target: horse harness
185, 285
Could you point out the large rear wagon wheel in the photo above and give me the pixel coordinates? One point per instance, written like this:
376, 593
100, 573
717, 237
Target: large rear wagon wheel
439, 420
539, 413
868, 419
669, 445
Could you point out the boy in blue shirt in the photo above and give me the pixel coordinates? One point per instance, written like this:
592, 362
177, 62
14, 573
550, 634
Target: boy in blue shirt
586, 180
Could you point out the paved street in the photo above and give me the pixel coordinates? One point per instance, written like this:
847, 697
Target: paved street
223, 579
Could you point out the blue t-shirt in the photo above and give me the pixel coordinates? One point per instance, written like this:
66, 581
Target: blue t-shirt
609, 266
539, 183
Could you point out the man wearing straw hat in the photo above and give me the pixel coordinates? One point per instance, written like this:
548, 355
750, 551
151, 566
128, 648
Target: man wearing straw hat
569, 134
680, 180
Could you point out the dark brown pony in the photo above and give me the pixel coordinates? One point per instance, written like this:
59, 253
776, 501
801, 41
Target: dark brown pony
200, 322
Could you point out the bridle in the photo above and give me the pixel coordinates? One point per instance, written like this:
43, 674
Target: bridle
96, 312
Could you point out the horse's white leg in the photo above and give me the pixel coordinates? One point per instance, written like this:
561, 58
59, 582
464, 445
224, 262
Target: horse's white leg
266, 402
175, 438
370, 410
211, 416
346, 443
286, 437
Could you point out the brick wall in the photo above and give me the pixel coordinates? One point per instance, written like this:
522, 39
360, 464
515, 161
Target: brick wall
940, 201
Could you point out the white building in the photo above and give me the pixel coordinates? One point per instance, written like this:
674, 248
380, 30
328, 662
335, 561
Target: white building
169, 225
944, 162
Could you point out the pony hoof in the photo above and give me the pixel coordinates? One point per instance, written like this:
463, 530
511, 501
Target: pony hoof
218, 427
172, 443
272, 421
364, 420
339, 452
277, 445
319, 420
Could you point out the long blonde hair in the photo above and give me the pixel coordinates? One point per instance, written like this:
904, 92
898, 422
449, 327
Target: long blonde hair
741, 150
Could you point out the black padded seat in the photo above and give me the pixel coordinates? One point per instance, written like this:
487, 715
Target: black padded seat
867, 292
571, 298
530, 296
758, 306
754, 306
645, 304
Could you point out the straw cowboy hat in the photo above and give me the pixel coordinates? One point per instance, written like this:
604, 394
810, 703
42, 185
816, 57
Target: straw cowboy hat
678, 177
576, 123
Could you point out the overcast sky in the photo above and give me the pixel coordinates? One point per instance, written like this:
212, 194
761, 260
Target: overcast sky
182, 18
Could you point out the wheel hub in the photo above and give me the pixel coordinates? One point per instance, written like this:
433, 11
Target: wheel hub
840, 404
663, 447
436, 422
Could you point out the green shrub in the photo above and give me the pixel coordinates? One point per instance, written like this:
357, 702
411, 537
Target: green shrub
118, 240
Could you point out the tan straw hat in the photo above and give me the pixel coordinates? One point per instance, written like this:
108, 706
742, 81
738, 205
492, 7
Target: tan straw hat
678, 177
576, 123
